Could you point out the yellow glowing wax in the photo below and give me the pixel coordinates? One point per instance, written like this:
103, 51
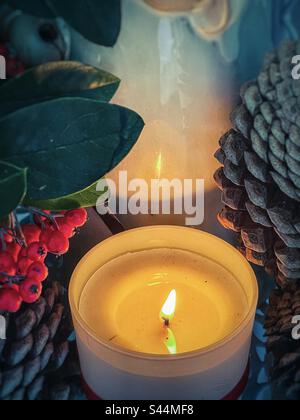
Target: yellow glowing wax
122, 301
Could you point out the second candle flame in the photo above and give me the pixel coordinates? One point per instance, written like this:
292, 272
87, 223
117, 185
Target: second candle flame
168, 310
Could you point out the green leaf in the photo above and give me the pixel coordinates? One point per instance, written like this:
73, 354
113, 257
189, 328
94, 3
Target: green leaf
12, 187
38, 8
98, 21
54, 80
85, 198
67, 144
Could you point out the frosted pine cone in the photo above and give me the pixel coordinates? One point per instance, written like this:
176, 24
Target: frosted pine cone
285, 373
36, 350
260, 176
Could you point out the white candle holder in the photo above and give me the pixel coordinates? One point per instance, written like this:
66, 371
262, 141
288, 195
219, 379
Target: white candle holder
213, 373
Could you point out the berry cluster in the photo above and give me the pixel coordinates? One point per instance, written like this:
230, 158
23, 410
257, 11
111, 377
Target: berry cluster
22, 261
14, 67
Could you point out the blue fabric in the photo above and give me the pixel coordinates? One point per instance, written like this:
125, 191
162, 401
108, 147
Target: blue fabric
286, 19
265, 24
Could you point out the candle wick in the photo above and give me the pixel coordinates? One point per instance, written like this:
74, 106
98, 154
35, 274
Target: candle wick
166, 322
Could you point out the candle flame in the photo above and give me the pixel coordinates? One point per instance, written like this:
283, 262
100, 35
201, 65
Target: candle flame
170, 342
159, 166
168, 310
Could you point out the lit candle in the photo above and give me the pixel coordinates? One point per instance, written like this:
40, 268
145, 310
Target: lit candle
163, 313
168, 310
167, 314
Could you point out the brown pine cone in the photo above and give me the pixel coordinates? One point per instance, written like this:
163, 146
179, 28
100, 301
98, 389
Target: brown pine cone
65, 383
260, 174
285, 373
35, 348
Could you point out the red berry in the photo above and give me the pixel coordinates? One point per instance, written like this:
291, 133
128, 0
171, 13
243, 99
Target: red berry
14, 250
31, 290
11, 286
32, 233
23, 252
8, 236
10, 300
6, 262
45, 235
77, 218
23, 265
37, 251
38, 271
65, 228
58, 243
40, 220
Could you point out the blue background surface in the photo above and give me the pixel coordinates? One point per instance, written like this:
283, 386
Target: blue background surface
265, 24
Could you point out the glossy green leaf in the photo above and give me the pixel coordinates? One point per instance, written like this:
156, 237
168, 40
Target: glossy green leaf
85, 198
54, 80
98, 21
67, 144
38, 8
12, 187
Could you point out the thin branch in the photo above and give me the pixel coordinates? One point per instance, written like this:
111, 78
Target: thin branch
18, 228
